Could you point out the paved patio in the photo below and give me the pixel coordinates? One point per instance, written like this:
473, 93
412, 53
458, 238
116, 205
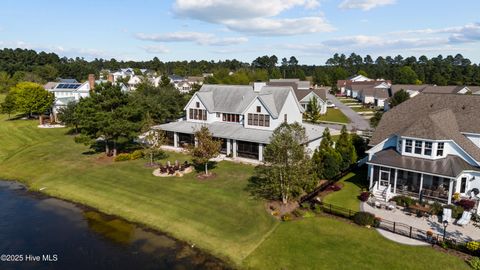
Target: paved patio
465, 233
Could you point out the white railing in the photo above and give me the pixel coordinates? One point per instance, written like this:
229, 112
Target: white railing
374, 187
388, 192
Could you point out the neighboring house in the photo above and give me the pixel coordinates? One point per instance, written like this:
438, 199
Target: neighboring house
376, 94
134, 81
304, 92
450, 89
342, 84
242, 117
69, 90
412, 89
427, 147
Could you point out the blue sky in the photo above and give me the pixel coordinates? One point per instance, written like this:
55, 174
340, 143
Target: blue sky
312, 30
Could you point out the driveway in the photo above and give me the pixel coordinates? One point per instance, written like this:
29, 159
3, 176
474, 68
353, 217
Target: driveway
357, 121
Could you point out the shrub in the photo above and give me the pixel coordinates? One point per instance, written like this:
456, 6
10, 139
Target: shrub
308, 214
437, 208
287, 217
297, 212
376, 222
122, 157
466, 204
137, 154
403, 200
364, 218
457, 211
473, 246
364, 196
317, 208
306, 205
456, 196
474, 263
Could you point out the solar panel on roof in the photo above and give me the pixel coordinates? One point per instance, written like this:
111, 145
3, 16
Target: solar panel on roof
61, 85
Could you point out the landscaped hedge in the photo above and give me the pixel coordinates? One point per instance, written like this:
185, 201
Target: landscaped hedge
364, 196
364, 219
132, 156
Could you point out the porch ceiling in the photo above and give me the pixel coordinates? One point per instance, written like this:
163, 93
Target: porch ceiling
451, 166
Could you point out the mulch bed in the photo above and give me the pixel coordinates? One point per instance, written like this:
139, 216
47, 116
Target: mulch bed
280, 208
327, 191
202, 176
104, 159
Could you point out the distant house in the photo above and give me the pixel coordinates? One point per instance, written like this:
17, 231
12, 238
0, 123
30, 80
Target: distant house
304, 92
70, 90
134, 81
342, 84
427, 147
243, 117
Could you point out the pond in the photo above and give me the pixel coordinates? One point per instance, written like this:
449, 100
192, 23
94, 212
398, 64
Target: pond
39, 232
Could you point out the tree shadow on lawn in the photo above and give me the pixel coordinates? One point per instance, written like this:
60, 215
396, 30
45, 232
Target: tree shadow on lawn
360, 179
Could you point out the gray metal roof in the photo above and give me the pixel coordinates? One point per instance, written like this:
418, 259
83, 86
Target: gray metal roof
450, 166
236, 98
235, 131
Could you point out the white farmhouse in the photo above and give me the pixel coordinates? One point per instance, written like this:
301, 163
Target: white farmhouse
428, 147
243, 117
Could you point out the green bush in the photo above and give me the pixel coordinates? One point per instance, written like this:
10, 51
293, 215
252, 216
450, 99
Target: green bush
317, 208
297, 212
437, 208
364, 219
137, 154
305, 205
457, 211
122, 157
403, 200
474, 263
308, 214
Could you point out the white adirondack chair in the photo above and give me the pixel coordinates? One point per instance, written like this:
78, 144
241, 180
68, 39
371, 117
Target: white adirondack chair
447, 215
465, 219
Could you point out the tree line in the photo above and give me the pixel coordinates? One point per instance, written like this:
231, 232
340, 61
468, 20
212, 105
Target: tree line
18, 65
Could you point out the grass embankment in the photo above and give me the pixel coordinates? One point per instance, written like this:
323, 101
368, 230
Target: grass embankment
335, 115
352, 183
326, 243
217, 215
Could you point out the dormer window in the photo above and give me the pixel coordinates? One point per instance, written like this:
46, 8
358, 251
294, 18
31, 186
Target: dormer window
418, 147
440, 147
408, 146
428, 149
259, 109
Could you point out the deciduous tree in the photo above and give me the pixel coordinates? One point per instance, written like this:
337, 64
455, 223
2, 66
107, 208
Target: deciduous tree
206, 147
32, 98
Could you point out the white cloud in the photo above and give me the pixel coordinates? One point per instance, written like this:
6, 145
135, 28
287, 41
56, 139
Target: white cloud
58, 49
383, 42
467, 33
256, 17
155, 49
364, 4
197, 37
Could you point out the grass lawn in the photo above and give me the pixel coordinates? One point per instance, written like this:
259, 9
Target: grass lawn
353, 182
326, 243
217, 215
349, 100
335, 115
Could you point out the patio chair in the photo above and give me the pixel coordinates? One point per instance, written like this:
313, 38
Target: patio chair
465, 219
447, 215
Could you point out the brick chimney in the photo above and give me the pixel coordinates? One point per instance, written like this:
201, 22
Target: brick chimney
91, 81
110, 78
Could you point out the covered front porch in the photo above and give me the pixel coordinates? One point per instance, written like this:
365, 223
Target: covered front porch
388, 182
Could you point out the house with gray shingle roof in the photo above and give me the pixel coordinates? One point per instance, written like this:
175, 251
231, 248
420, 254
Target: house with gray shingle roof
304, 92
243, 117
427, 147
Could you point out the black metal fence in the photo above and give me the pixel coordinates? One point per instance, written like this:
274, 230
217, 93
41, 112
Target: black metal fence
399, 228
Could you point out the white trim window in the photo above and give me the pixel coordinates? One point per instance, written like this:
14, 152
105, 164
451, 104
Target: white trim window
440, 148
408, 146
428, 148
418, 147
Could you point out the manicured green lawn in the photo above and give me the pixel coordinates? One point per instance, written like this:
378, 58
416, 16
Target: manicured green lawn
335, 115
325, 243
348, 100
217, 215
353, 183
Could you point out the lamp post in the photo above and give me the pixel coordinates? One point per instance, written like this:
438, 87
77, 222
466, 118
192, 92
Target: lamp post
445, 224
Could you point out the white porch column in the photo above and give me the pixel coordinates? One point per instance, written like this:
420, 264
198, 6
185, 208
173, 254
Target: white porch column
450, 191
228, 147
421, 184
371, 175
395, 182
175, 139
260, 152
195, 140
234, 146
